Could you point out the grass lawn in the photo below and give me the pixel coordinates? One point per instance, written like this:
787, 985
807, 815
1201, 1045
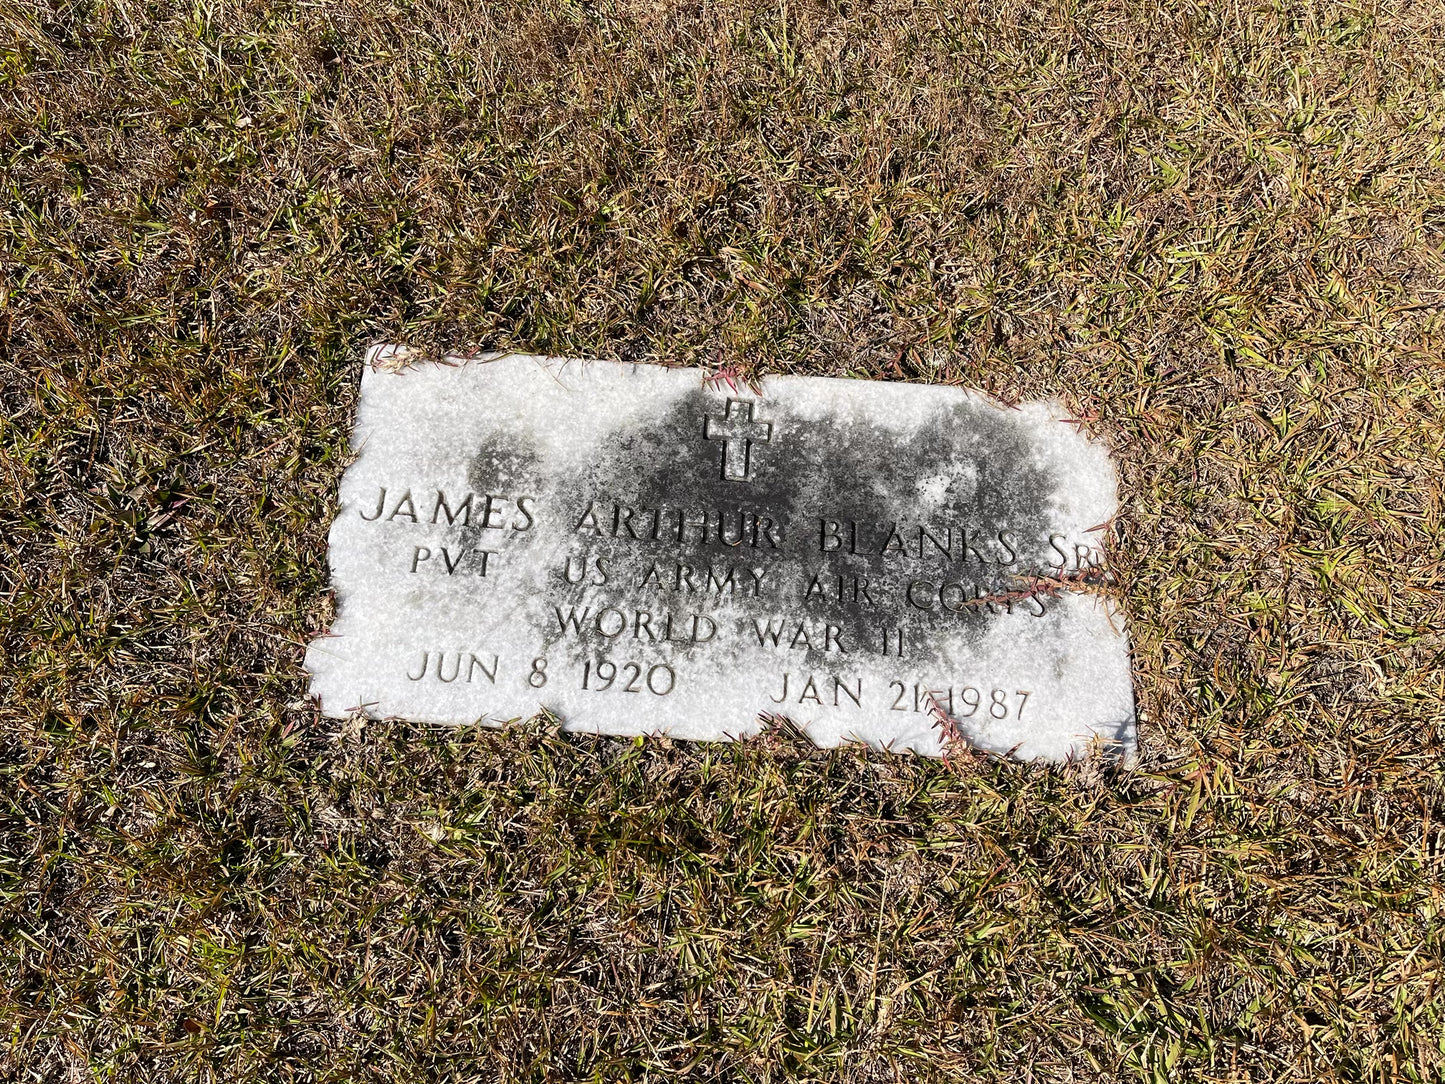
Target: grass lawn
1214, 229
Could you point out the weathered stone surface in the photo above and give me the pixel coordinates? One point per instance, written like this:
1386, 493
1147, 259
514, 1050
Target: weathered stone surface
641, 551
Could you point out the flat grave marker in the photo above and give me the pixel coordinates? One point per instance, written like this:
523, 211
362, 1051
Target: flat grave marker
645, 550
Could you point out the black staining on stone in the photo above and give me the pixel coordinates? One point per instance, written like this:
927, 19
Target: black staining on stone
504, 476
957, 506
506, 462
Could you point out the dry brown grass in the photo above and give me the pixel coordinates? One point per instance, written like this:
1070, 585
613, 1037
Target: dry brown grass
1215, 229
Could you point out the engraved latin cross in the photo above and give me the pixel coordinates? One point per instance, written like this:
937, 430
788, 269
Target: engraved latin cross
739, 432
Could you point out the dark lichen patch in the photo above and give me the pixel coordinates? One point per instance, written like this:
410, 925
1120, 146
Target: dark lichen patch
505, 479
849, 525
505, 462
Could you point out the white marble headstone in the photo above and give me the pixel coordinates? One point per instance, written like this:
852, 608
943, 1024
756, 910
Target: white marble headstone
640, 550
